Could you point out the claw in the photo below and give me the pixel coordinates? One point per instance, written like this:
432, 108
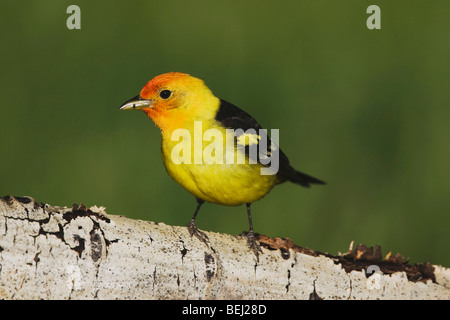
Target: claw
194, 231
252, 243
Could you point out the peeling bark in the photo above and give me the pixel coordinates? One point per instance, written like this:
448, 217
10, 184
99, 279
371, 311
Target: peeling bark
49, 252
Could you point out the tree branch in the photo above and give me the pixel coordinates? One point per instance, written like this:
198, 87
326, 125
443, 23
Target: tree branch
49, 252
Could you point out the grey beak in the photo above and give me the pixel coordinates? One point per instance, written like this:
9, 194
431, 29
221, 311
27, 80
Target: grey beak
135, 103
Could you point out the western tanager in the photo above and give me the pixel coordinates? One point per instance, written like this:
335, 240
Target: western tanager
213, 149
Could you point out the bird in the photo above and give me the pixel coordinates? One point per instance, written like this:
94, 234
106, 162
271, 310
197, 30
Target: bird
183, 106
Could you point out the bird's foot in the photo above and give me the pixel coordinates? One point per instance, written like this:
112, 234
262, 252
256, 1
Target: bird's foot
194, 231
252, 243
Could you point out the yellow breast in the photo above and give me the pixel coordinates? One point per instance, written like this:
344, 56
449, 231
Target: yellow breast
212, 169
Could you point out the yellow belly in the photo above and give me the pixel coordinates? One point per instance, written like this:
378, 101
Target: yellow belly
221, 183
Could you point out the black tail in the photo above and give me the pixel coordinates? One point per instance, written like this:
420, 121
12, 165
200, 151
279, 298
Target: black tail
302, 178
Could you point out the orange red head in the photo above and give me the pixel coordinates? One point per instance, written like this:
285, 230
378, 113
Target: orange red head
173, 100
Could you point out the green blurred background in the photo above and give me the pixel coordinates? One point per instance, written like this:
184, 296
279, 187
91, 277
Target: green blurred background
365, 110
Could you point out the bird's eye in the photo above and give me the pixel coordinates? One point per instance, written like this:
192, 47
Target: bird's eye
165, 94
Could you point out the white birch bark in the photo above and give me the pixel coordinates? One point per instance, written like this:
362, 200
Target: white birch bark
49, 252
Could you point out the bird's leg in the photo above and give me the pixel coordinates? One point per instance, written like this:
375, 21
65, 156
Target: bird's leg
192, 227
250, 235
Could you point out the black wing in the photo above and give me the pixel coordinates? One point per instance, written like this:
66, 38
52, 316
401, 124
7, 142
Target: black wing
232, 117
